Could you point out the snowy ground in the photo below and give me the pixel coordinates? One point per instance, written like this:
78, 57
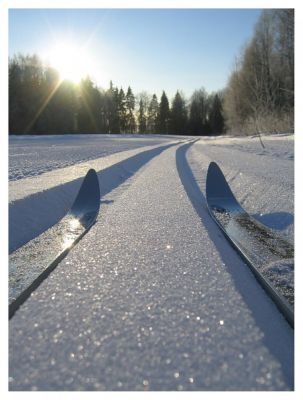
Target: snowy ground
34, 155
153, 297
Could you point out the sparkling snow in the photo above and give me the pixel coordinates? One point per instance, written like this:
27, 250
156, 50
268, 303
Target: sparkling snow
154, 297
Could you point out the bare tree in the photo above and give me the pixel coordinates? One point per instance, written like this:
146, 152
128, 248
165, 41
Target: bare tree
259, 95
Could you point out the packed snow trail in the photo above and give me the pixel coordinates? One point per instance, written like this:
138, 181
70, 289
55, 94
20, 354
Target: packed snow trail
55, 190
152, 298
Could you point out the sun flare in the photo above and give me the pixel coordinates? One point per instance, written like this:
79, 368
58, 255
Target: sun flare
71, 61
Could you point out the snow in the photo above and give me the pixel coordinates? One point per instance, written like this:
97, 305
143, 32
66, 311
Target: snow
34, 155
261, 179
31, 198
154, 297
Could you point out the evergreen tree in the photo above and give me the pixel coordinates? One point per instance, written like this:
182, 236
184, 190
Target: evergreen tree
152, 117
89, 116
216, 120
104, 103
143, 100
164, 114
178, 115
195, 118
198, 113
62, 103
130, 108
39, 102
142, 121
112, 109
122, 111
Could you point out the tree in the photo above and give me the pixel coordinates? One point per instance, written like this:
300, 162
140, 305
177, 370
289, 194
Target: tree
152, 118
235, 105
111, 116
122, 111
260, 91
62, 103
198, 113
143, 101
284, 47
38, 101
178, 115
89, 111
141, 118
216, 120
16, 103
26, 92
164, 114
130, 108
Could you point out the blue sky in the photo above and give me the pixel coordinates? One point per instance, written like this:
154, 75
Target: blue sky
148, 49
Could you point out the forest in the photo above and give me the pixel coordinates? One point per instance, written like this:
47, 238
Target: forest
258, 97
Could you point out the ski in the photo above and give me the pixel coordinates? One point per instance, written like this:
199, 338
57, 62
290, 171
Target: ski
32, 263
269, 256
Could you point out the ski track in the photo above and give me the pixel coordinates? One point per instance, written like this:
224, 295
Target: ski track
32, 156
264, 185
153, 297
32, 198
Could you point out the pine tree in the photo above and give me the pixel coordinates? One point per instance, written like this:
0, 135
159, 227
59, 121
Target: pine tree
122, 111
142, 118
143, 99
178, 115
89, 117
152, 118
198, 113
195, 118
164, 114
112, 109
130, 107
216, 120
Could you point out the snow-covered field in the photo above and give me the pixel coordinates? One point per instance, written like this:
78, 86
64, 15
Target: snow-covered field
34, 155
153, 297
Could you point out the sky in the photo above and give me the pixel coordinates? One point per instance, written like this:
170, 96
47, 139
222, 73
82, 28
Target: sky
148, 49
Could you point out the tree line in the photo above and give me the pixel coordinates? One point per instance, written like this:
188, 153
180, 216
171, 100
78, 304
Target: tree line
40, 103
259, 95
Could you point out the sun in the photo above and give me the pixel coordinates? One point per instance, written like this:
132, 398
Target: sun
71, 61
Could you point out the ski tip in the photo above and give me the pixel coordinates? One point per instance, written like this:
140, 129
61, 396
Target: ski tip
91, 171
216, 184
91, 175
91, 182
213, 168
88, 198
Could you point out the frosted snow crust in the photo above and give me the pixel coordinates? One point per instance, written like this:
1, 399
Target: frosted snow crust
153, 297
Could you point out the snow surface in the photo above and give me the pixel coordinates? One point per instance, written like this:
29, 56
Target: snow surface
154, 297
261, 179
34, 155
32, 198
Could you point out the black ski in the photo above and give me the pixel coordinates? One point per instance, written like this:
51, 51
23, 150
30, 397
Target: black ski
270, 257
32, 263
